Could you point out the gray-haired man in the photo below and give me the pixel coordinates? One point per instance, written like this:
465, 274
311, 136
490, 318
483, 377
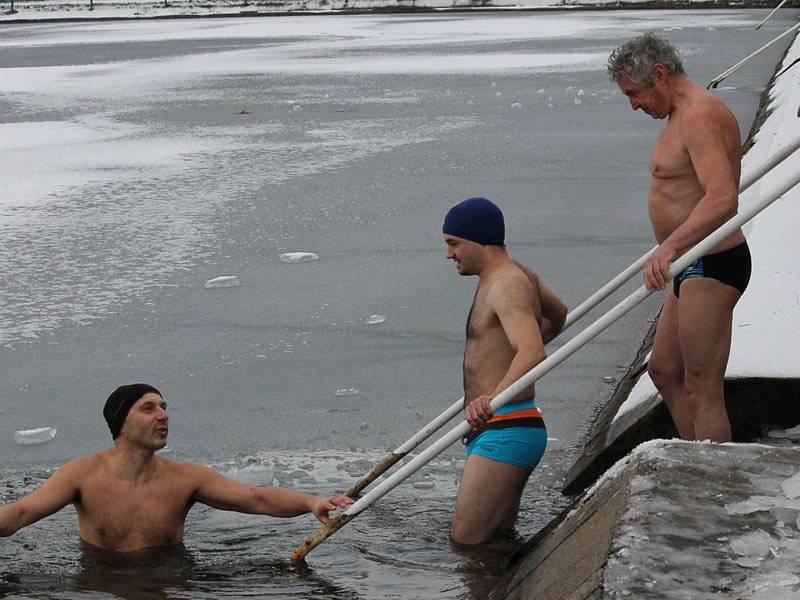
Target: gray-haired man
694, 187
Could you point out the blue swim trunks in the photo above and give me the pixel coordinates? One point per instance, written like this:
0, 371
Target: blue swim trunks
515, 435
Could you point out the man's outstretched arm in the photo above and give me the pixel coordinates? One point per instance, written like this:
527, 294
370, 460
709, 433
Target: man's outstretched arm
220, 492
52, 496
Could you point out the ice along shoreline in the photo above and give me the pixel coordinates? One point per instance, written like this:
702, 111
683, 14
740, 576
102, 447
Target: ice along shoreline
28, 11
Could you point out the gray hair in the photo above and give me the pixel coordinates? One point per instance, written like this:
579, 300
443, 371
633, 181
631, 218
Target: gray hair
635, 58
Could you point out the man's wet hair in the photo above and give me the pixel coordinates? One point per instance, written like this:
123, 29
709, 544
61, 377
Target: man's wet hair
636, 57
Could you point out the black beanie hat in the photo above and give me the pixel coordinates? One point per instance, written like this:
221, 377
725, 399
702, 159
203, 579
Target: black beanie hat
120, 402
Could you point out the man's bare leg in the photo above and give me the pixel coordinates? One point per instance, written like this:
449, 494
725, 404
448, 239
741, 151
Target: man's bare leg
705, 315
665, 367
488, 499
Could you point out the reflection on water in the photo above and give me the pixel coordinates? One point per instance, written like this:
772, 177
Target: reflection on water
399, 548
156, 574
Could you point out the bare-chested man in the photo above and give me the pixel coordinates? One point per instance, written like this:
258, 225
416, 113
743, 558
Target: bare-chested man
694, 188
128, 498
512, 317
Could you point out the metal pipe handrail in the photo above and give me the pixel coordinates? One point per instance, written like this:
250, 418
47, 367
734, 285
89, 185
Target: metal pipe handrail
716, 81
574, 315
774, 10
544, 367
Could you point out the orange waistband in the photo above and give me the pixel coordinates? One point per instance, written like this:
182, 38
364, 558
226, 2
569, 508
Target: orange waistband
525, 413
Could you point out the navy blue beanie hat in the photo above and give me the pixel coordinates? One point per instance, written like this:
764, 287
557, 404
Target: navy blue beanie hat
478, 220
119, 403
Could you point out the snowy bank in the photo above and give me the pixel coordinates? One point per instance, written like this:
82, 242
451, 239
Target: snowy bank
675, 519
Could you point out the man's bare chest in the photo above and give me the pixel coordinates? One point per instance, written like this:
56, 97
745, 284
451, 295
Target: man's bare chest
116, 510
482, 320
670, 159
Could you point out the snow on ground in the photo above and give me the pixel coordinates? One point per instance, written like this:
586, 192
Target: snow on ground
707, 520
765, 329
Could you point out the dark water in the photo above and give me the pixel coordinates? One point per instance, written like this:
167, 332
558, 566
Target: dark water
142, 159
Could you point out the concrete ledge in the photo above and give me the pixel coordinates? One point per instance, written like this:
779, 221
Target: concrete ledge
754, 405
674, 520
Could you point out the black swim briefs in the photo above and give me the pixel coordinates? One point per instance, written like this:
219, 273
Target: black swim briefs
731, 267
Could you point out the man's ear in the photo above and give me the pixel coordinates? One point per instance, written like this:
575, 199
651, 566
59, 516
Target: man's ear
660, 73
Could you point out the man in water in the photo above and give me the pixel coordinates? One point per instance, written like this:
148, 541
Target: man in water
694, 186
129, 498
513, 316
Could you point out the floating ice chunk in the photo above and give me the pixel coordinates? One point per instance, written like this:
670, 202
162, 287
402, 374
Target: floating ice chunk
375, 319
793, 432
516, 105
609, 378
580, 92
785, 514
27, 437
540, 91
297, 257
751, 505
423, 485
753, 544
226, 281
777, 434
578, 101
346, 392
499, 94
791, 486
748, 562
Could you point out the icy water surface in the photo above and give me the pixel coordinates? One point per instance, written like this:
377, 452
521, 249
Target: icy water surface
141, 160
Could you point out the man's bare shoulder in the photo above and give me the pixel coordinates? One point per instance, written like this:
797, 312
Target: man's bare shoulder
705, 112
187, 471
86, 465
511, 283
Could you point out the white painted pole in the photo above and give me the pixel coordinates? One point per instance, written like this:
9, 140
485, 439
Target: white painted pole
544, 367
774, 10
716, 81
577, 313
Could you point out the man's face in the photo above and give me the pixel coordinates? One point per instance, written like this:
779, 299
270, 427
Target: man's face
465, 253
652, 100
147, 423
